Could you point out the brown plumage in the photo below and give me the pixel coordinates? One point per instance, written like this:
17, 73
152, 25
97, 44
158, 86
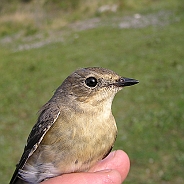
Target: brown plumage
75, 128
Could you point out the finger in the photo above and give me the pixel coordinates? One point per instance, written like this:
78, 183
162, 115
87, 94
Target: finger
117, 160
101, 177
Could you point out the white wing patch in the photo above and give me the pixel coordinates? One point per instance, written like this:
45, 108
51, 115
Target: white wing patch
31, 174
45, 131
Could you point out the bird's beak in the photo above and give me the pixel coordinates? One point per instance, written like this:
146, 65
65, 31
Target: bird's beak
123, 81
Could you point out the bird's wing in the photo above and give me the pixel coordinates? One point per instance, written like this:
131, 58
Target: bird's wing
48, 116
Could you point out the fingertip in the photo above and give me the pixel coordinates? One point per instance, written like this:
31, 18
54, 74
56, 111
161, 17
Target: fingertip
117, 160
123, 166
121, 155
118, 153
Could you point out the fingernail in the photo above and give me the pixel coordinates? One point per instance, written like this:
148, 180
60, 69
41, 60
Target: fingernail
111, 155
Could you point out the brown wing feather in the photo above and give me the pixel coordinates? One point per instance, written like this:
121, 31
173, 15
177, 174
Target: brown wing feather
48, 115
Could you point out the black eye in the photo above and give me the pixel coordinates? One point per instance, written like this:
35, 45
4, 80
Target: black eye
91, 81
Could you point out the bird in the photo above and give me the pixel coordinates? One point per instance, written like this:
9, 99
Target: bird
75, 129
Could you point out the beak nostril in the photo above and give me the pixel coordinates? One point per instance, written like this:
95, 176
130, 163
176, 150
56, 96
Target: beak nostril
123, 81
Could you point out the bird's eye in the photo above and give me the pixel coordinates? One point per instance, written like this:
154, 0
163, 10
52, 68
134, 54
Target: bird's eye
91, 81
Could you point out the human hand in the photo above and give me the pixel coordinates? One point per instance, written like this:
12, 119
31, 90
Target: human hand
113, 169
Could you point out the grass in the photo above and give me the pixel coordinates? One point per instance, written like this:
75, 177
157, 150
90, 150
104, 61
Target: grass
149, 115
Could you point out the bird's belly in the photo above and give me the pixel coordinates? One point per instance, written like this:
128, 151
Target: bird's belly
50, 161
74, 150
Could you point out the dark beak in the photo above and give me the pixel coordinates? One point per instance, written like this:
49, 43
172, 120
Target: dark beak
123, 81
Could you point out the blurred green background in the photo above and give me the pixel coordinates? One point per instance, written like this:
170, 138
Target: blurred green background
42, 42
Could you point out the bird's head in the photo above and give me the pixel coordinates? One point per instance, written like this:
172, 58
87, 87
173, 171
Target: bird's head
93, 85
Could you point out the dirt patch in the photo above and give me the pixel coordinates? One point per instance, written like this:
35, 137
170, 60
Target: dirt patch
161, 18
136, 21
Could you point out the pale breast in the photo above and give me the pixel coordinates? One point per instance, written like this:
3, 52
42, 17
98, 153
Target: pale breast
74, 143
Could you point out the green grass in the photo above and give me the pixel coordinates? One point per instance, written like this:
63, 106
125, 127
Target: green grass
149, 115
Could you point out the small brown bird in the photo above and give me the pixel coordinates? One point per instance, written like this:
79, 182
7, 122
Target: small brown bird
75, 128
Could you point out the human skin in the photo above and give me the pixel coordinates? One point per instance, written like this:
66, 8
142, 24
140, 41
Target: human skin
113, 169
